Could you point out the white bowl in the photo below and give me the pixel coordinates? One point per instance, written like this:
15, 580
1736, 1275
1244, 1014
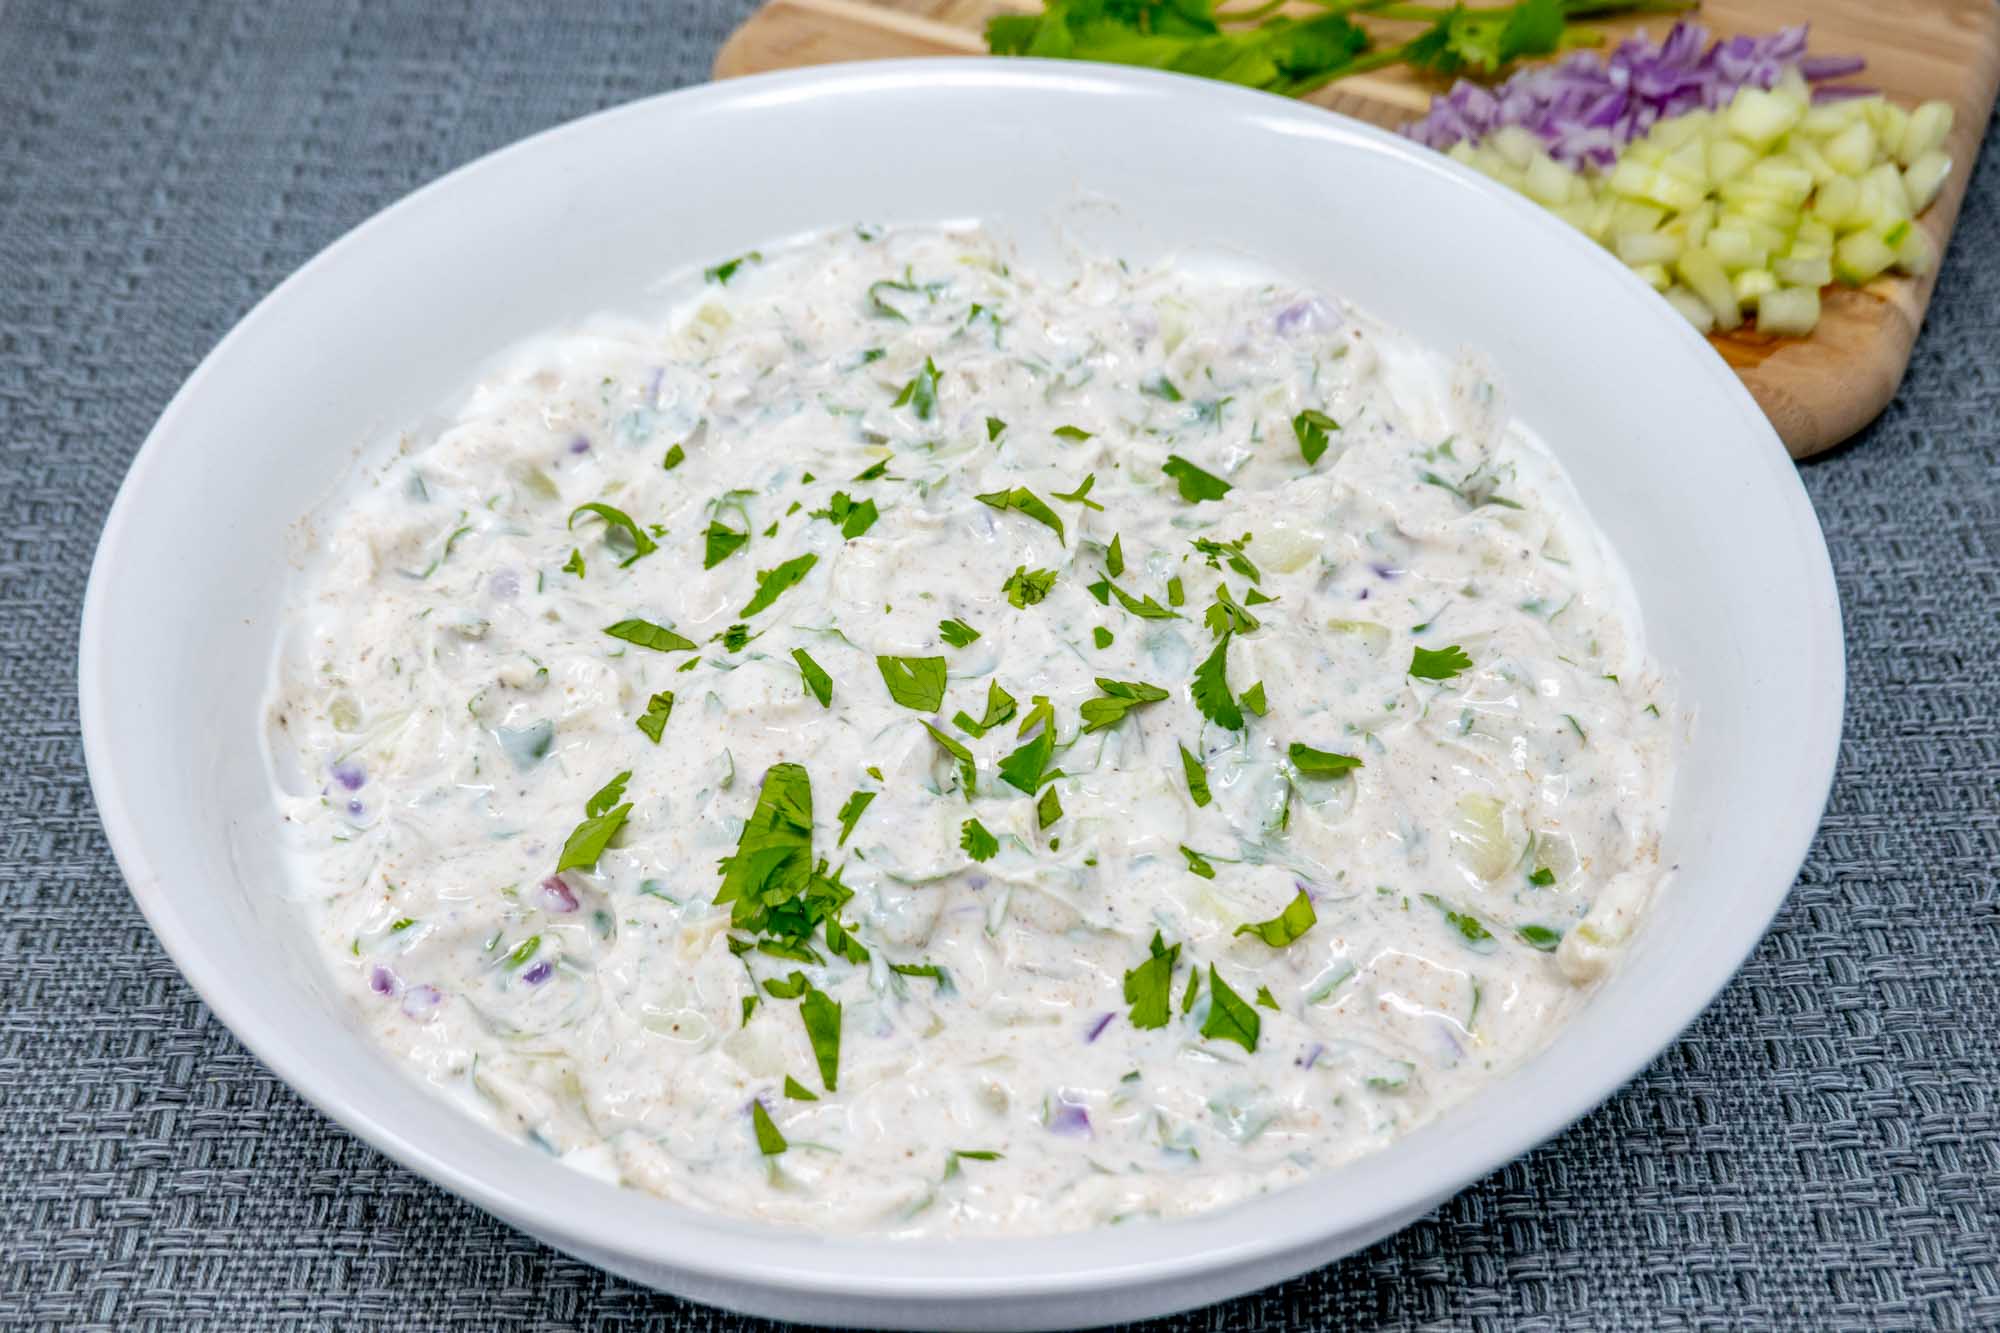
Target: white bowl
1666, 448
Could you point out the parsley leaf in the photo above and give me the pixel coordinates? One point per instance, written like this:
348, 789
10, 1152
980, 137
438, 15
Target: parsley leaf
772, 582
1297, 918
1000, 706
968, 768
1539, 938
1074, 434
723, 272
1081, 495
850, 813
648, 635
574, 565
617, 520
1229, 1019
821, 1014
1483, 40
604, 814
1048, 809
852, 517
1320, 763
1149, 986
1195, 484
1100, 636
1198, 863
921, 392
1226, 617
654, 720
1175, 596
1120, 697
1197, 777
994, 425
956, 632
1162, 388
1027, 768
1025, 587
721, 543
1217, 551
875, 471
1027, 502
1476, 936
772, 864
914, 682
1310, 428
675, 457
1265, 998
1542, 877
1253, 699
1210, 689
1442, 664
979, 844
1143, 607
769, 1141
1114, 557
798, 1091
816, 680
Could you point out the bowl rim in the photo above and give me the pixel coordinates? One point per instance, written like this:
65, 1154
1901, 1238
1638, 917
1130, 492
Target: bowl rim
685, 1239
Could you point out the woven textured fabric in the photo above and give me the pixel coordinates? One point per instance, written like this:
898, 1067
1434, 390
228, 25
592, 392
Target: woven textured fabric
1822, 1150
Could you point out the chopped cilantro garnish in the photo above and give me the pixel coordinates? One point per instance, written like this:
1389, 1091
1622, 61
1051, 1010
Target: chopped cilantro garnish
574, 565
735, 638
772, 582
618, 521
648, 635
1100, 636
1114, 557
1081, 495
875, 471
852, 517
1193, 989
1542, 877
720, 543
1027, 768
850, 813
1540, 938
1469, 927
769, 1141
1074, 434
1048, 809
1149, 986
994, 425
1210, 689
1442, 664
1310, 428
1217, 551
921, 392
1119, 698
1229, 1019
1000, 706
1226, 617
1195, 484
675, 457
604, 814
654, 720
1025, 587
1027, 502
790, 988
1175, 597
1297, 918
979, 844
726, 270
968, 768
956, 632
1253, 699
1143, 607
1265, 998
821, 1014
1162, 388
523, 951
798, 1091
914, 682
1320, 763
1197, 777
816, 680
1198, 863
1040, 713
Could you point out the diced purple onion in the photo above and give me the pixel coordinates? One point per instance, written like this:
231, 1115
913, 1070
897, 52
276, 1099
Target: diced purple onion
1383, 571
1585, 108
557, 896
1310, 315
355, 808
1312, 1055
580, 445
382, 981
349, 774
504, 585
1068, 1117
539, 973
653, 386
419, 1001
1097, 1028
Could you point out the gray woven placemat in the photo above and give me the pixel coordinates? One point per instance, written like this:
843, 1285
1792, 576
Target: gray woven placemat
1822, 1150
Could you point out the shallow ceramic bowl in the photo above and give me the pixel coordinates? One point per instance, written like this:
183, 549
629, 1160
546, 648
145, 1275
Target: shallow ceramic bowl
1665, 446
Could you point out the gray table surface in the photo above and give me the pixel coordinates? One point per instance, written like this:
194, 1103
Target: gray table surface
1821, 1150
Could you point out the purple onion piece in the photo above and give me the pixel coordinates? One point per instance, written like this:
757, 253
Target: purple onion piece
1097, 1028
580, 445
1841, 92
1312, 1055
420, 1001
557, 896
539, 973
349, 774
382, 981
1067, 1117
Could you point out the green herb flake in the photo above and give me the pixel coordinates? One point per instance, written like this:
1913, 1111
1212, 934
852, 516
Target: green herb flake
968, 768
1210, 689
1027, 768
1175, 595
956, 632
1226, 617
994, 425
574, 565
1195, 484
1149, 986
648, 635
1000, 706
920, 394
798, 1091
1442, 664
675, 457
1100, 636
1253, 699
719, 543
1310, 428
523, 951
1216, 552
1026, 587
914, 682
1197, 777
821, 1014
604, 814
1074, 434
1229, 1019
772, 582
618, 521
654, 720
1320, 763
1081, 495
1265, 998
1027, 502
1539, 938
1470, 929
1287, 926
723, 272
1542, 877
1162, 388
850, 813
769, 1141
1114, 557
1119, 698
1198, 863
978, 843
817, 682
1048, 809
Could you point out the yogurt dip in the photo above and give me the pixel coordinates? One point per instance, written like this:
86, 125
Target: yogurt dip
910, 743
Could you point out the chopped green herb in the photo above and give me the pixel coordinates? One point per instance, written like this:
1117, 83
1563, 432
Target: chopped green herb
1540, 938
1027, 768
1320, 763
1253, 699
604, 814
1226, 617
921, 392
1542, 877
1297, 918
1081, 495
852, 517
1000, 706
617, 520
956, 632
1149, 986
1119, 698
914, 682
574, 565
791, 988
850, 813
675, 457
1198, 863
1197, 777
994, 425
1210, 689
1215, 552
1175, 596
816, 680
1114, 557
720, 543
1100, 636
772, 582
523, 951
1442, 664
648, 635
1162, 388
1195, 484
769, 1141
968, 768
1049, 808
735, 638
798, 1091
654, 720
1193, 989
1027, 502
1265, 998
1025, 587
875, 471
726, 270
1469, 927
1143, 607
1074, 434
1310, 428
979, 844
1229, 1019
821, 1014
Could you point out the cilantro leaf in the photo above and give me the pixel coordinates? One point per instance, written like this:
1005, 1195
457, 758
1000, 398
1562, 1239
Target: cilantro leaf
1297, 918
1114, 557
1000, 706
1210, 689
852, 517
1025, 587
956, 632
1040, 713
1100, 636
654, 720
979, 844
1310, 428
821, 1014
1475, 934
1074, 434
1120, 697
798, 1091
1253, 699
1175, 596
721, 543
1149, 986
968, 768
772, 582
617, 520
1027, 768
1048, 809
1539, 938
1226, 617
1442, 664
1027, 502
994, 425
723, 272
1193, 989
1160, 387
921, 392
1195, 484
1265, 998
1143, 607
604, 814
769, 1141
791, 988
816, 680
1320, 763
1229, 1019
772, 864
1081, 495
574, 565
648, 635
850, 813
1198, 863
1542, 877
1484, 40
675, 457
914, 682
1217, 551
1197, 777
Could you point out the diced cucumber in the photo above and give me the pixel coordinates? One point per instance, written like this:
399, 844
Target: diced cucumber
1861, 257
1733, 248
1815, 234
1702, 272
1548, 181
1654, 276
1751, 284
1803, 271
1837, 201
1516, 144
1789, 311
1923, 178
1852, 151
1929, 126
1891, 124
1830, 118
1917, 253
1757, 117
1692, 307
1728, 159
1647, 247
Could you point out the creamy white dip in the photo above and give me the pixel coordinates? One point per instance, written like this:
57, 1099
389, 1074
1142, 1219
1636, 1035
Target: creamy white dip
1280, 620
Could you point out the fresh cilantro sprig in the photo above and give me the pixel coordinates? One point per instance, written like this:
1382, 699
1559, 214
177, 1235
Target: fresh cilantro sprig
1119, 698
1149, 986
603, 815
619, 522
1025, 501
1287, 926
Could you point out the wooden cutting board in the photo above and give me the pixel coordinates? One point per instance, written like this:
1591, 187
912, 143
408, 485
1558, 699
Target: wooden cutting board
1817, 391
